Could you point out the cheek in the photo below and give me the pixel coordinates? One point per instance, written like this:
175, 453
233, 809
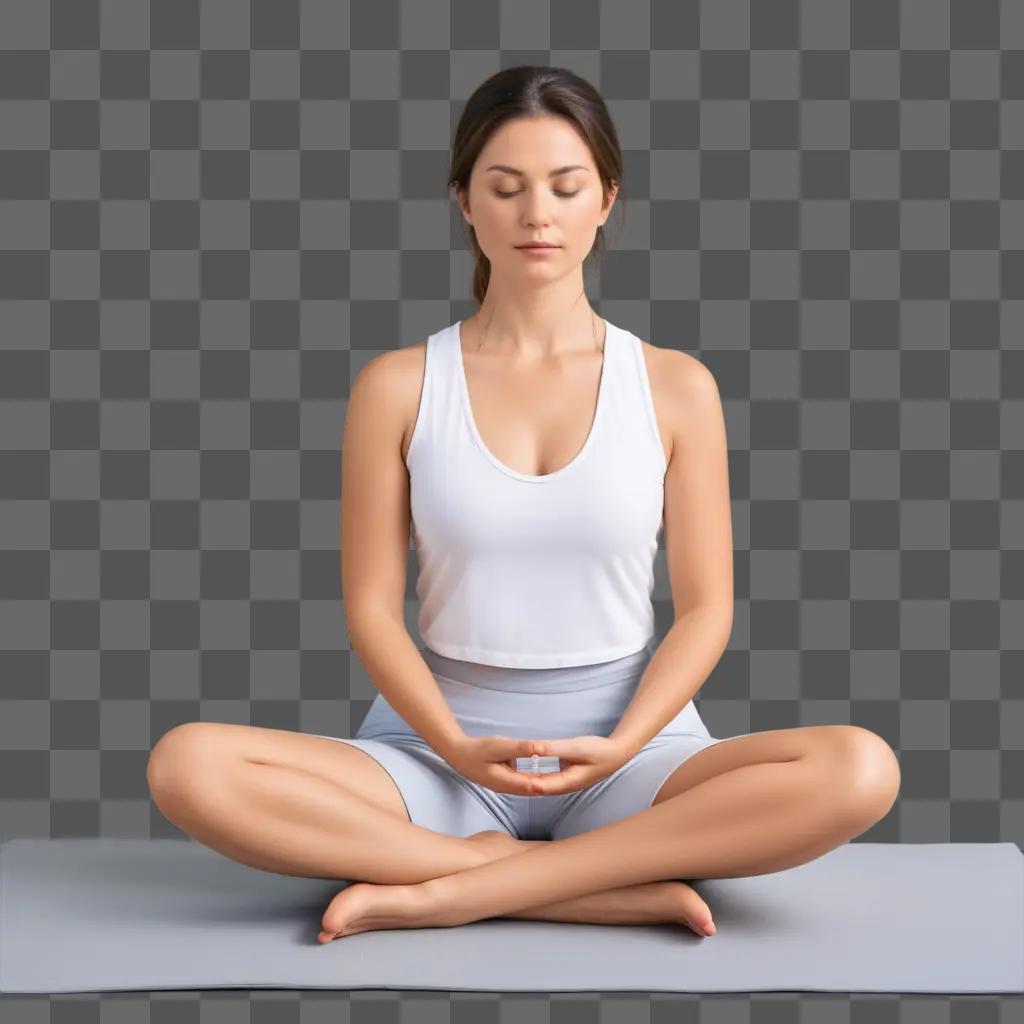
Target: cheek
585, 209
496, 220
581, 225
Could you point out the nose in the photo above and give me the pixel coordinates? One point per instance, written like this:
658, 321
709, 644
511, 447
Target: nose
537, 211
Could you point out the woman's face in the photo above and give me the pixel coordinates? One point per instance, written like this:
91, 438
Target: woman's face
521, 191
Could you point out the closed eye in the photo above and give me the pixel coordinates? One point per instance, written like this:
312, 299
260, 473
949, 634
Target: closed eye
563, 195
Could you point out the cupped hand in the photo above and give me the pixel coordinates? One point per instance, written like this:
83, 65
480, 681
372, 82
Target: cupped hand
491, 762
584, 760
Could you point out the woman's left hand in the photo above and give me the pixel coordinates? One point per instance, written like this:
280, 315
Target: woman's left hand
584, 761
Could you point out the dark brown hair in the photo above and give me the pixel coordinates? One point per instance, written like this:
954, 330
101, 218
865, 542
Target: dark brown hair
532, 91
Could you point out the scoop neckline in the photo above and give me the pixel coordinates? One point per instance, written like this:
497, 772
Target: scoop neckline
542, 478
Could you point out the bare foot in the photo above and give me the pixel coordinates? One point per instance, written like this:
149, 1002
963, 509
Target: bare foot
365, 906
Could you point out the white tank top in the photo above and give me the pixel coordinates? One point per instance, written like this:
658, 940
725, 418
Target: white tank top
536, 571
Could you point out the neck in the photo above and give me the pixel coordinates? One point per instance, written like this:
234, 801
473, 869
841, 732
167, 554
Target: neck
548, 322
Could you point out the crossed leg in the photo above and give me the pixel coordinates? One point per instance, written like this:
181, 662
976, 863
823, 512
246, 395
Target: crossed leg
749, 805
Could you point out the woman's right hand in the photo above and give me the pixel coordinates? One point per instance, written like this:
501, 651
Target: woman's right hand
491, 761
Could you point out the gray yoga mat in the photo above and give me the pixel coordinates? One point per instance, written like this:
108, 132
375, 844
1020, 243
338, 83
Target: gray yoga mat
98, 915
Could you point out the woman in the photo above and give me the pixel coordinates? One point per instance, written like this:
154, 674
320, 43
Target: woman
537, 451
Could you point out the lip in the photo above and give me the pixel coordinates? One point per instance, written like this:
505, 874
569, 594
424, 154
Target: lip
538, 245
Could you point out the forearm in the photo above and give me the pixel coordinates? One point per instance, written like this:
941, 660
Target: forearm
399, 672
676, 671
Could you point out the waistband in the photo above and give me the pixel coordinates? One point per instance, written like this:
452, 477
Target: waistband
540, 680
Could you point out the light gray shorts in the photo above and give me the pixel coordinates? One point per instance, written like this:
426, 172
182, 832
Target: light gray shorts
529, 703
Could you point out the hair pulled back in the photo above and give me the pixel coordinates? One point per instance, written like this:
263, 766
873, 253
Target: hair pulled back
532, 91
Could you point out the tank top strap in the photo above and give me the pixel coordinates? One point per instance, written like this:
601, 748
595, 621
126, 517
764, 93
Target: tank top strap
439, 394
631, 398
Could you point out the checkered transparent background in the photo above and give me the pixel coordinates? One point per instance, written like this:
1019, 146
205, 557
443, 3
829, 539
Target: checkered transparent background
213, 214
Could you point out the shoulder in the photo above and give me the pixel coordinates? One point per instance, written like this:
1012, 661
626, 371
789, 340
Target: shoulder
684, 390
390, 383
677, 371
396, 368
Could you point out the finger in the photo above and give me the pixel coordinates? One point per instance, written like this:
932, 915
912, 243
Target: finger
530, 781
520, 782
547, 784
565, 781
563, 748
529, 784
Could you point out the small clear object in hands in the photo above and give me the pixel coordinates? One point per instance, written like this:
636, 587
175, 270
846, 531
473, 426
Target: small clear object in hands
538, 765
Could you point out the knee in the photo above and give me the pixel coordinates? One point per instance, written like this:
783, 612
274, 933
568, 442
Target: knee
866, 773
173, 761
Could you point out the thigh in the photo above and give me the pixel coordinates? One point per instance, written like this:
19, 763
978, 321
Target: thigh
350, 767
437, 797
839, 747
670, 764
628, 790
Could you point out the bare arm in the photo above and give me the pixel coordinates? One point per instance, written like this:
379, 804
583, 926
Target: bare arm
375, 519
698, 549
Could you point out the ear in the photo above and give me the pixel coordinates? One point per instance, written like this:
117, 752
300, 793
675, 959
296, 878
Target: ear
613, 191
462, 200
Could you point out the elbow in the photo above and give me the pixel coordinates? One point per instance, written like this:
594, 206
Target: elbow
726, 625
723, 629
365, 628
713, 619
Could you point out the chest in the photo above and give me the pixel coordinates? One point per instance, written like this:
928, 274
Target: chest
534, 421
537, 421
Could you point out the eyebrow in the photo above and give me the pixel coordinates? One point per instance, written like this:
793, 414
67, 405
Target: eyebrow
554, 173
